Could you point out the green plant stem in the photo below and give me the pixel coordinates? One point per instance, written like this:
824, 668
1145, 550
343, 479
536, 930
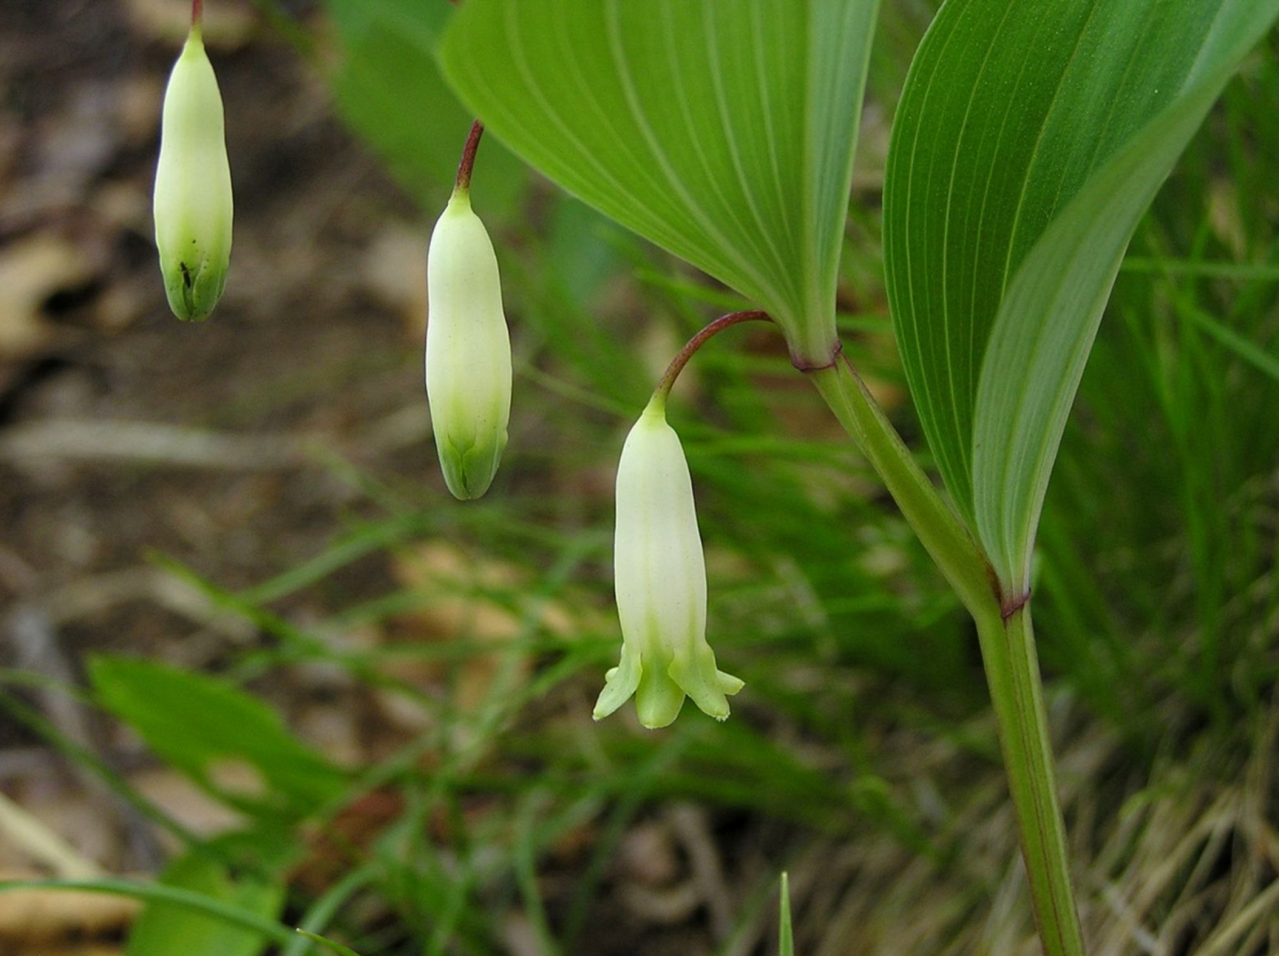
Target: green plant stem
1007, 646
943, 534
1016, 691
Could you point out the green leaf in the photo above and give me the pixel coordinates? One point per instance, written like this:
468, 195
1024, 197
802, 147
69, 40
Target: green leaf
387, 87
230, 743
722, 130
166, 929
1029, 141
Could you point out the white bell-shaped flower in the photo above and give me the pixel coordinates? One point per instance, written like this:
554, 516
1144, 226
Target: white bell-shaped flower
468, 350
660, 578
192, 202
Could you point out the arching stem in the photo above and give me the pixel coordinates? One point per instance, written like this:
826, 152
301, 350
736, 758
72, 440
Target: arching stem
1007, 642
697, 341
940, 530
197, 14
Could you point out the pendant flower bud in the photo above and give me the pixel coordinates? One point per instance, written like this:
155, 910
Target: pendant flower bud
193, 187
660, 577
468, 350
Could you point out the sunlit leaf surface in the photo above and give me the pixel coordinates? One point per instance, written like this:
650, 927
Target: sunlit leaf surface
722, 130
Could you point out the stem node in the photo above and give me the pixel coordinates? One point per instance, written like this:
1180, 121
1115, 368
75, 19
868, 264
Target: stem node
807, 365
1011, 605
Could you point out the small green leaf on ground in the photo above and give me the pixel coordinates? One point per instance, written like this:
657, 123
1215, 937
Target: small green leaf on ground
169, 929
228, 741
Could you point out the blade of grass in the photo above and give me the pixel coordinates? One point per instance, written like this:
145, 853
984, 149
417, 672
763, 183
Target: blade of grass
155, 893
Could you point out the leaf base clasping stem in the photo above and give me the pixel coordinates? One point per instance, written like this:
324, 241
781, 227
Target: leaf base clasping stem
1007, 640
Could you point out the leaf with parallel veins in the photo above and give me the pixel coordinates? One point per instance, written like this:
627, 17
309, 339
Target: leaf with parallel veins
1029, 141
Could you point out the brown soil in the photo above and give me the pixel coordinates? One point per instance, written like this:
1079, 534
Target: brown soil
125, 433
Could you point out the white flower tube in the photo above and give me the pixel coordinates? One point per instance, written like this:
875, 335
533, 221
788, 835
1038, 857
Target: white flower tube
192, 202
468, 350
660, 578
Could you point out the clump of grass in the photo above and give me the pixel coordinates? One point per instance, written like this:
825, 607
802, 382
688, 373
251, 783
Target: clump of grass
1173, 856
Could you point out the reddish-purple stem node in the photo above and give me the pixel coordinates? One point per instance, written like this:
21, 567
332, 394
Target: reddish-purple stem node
1011, 605
808, 365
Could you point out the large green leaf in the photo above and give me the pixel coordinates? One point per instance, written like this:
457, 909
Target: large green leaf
213, 731
722, 130
1030, 139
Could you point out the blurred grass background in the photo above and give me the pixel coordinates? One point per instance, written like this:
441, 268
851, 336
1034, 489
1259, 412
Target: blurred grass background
494, 817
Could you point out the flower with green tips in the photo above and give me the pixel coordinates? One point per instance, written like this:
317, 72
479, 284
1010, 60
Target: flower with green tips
660, 579
192, 203
468, 350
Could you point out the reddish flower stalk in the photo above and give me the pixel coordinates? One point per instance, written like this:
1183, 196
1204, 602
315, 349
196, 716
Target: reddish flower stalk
467, 164
697, 341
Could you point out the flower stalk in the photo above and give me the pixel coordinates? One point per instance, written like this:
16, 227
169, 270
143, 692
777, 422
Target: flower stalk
701, 338
466, 166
